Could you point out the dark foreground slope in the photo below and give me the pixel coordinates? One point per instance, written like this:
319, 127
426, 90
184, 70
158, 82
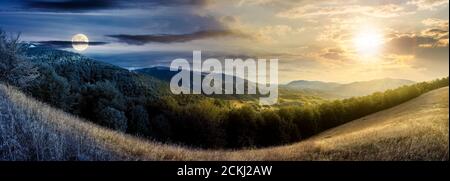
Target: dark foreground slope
415, 130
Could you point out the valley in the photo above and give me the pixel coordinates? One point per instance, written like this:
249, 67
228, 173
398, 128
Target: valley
415, 130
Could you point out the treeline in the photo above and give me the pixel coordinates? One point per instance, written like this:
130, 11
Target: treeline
206, 124
142, 105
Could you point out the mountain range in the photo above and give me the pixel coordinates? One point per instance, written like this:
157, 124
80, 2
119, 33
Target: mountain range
349, 89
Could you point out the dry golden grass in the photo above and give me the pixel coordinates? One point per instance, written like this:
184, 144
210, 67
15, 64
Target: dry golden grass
415, 130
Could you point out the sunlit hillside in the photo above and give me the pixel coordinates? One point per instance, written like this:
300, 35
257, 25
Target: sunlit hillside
415, 130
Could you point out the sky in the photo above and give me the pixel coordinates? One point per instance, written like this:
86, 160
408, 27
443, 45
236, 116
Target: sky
325, 40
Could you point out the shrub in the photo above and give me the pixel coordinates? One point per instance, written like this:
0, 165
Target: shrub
139, 121
113, 118
51, 88
241, 127
100, 101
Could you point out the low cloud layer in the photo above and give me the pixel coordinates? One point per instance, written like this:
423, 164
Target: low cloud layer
177, 38
66, 44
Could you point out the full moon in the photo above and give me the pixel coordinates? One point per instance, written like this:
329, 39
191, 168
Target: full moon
80, 42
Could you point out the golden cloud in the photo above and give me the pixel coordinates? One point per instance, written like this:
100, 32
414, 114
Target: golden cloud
272, 33
435, 22
381, 11
435, 33
428, 4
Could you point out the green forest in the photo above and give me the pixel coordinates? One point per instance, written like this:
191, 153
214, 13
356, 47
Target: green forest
142, 105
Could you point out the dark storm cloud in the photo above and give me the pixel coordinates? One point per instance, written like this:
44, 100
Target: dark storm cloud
86, 5
177, 38
175, 2
73, 5
66, 44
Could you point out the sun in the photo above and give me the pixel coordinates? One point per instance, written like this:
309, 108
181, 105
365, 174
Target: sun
80, 42
368, 42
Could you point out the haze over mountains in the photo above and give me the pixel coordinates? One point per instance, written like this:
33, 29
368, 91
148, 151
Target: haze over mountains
350, 89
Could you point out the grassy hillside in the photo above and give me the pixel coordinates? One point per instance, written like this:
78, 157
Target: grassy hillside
415, 130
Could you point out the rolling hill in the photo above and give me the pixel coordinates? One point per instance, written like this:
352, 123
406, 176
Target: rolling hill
338, 90
415, 130
164, 74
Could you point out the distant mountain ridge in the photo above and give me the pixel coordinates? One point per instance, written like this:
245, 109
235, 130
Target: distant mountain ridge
164, 74
360, 88
328, 90
305, 84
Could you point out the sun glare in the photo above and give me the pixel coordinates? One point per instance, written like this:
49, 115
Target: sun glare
368, 42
